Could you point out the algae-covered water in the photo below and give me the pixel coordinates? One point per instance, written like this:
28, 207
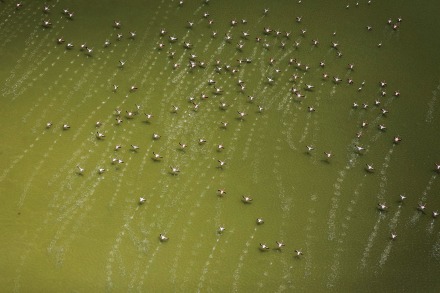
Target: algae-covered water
321, 113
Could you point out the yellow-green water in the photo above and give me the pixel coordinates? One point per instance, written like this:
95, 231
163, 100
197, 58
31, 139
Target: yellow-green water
64, 231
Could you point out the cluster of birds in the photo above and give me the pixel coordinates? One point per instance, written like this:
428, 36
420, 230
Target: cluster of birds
47, 24
262, 246
383, 207
421, 206
298, 91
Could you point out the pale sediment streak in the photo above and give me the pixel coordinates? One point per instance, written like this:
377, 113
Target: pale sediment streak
178, 126
430, 227
32, 61
431, 105
181, 197
115, 248
49, 104
86, 98
353, 160
7, 12
309, 239
428, 188
22, 17
257, 153
12, 165
121, 175
28, 249
144, 41
222, 237
196, 248
67, 213
73, 210
287, 204
435, 252
417, 214
236, 275
197, 10
336, 198
378, 133
241, 259
70, 211
383, 176
29, 60
370, 241
289, 130
334, 275
254, 124
392, 225
196, 89
77, 86
137, 270
205, 269
335, 266
29, 181
169, 141
190, 116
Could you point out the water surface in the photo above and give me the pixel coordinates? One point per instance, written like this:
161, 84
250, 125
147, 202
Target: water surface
62, 230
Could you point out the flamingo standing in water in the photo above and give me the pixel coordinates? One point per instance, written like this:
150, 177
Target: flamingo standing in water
174, 170
382, 207
80, 169
221, 192
263, 246
280, 244
247, 199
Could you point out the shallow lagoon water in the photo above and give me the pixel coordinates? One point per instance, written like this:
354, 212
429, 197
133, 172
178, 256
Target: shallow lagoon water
65, 231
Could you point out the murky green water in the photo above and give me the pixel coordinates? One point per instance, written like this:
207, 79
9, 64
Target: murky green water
65, 231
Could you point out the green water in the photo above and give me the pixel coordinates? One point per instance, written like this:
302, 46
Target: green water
65, 231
